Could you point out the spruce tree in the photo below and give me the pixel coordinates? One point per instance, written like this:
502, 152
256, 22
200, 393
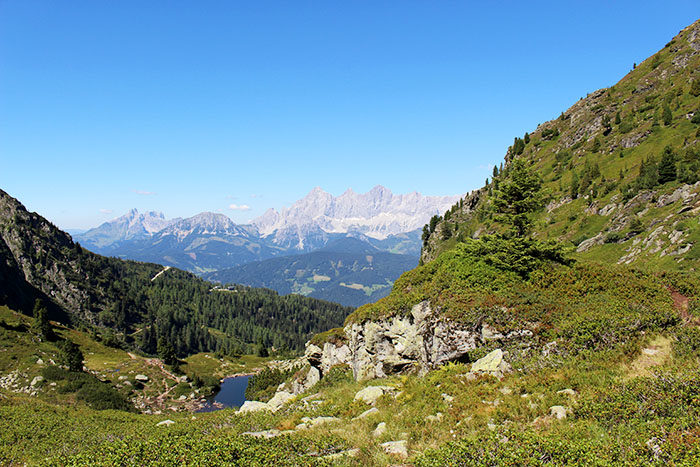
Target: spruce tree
518, 197
667, 166
42, 325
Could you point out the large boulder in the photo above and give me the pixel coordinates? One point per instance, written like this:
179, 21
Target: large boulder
279, 399
253, 406
492, 364
370, 394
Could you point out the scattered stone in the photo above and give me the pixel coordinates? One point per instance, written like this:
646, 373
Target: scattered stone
253, 406
492, 364
654, 445
379, 430
122, 378
350, 453
506, 390
367, 413
182, 398
40, 362
262, 434
491, 426
279, 399
370, 394
313, 422
447, 397
141, 378
650, 351
558, 411
567, 391
489, 333
434, 418
37, 380
165, 423
396, 448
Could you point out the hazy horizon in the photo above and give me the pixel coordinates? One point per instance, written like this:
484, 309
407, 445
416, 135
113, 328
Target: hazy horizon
237, 108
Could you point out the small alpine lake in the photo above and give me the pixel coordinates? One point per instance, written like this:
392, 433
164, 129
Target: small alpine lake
231, 394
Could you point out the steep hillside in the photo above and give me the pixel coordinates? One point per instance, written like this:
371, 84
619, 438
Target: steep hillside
621, 166
349, 271
140, 302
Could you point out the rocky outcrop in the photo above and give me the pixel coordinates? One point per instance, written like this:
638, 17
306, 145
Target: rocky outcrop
419, 342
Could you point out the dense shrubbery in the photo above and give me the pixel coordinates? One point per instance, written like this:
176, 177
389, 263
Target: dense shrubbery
97, 394
262, 385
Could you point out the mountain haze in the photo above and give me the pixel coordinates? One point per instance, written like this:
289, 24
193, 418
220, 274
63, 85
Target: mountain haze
211, 241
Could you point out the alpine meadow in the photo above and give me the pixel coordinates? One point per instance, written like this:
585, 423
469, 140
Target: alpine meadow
549, 317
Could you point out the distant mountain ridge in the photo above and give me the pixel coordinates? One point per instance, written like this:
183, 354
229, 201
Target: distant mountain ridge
376, 214
348, 271
210, 241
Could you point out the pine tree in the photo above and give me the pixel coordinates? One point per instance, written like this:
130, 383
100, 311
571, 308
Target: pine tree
518, 197
70, 355
42, 325
573, 191
667, 166
166, 352
695, 87
667, 116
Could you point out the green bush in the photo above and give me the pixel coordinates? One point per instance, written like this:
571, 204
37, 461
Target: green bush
687, 342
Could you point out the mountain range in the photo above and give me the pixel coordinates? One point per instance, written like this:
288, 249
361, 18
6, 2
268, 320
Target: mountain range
386, 224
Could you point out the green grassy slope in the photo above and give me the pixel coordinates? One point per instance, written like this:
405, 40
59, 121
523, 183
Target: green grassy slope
600, 144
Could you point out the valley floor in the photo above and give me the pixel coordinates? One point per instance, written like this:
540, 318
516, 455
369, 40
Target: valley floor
631, 406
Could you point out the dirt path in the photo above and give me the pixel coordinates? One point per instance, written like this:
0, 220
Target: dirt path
161, 272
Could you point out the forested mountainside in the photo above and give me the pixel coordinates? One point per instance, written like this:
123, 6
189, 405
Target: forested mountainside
141, 302
620, 167
349, 271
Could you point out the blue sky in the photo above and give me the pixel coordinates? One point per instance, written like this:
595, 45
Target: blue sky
186, 107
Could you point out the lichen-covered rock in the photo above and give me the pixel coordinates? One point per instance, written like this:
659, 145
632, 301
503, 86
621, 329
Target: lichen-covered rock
379, 430
558, 411
279, 399
396, 448
492, 364
419, 342
370, 394
253, 406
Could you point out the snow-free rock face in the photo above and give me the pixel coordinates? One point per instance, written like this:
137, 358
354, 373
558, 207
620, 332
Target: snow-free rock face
377, 214
419, 342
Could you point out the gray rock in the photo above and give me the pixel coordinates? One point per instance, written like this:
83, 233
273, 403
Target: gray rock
367, 413
37, 380
313, 422
558, 411
447, 398
396, 448
434, 418
165, 423
492, 364
142, 378
567, 391
253, 406
370, 394
379, 430
273, 433
338, 455
279, 399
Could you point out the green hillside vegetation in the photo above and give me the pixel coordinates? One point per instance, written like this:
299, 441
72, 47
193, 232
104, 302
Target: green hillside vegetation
349, 278
133, 305
610, 165
604, 365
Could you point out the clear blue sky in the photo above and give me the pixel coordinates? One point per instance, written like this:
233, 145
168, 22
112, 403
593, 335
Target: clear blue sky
184, 106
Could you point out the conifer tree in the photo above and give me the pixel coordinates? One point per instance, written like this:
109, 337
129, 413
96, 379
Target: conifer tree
667, 166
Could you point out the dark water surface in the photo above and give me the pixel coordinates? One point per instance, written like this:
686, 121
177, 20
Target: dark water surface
232, 394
